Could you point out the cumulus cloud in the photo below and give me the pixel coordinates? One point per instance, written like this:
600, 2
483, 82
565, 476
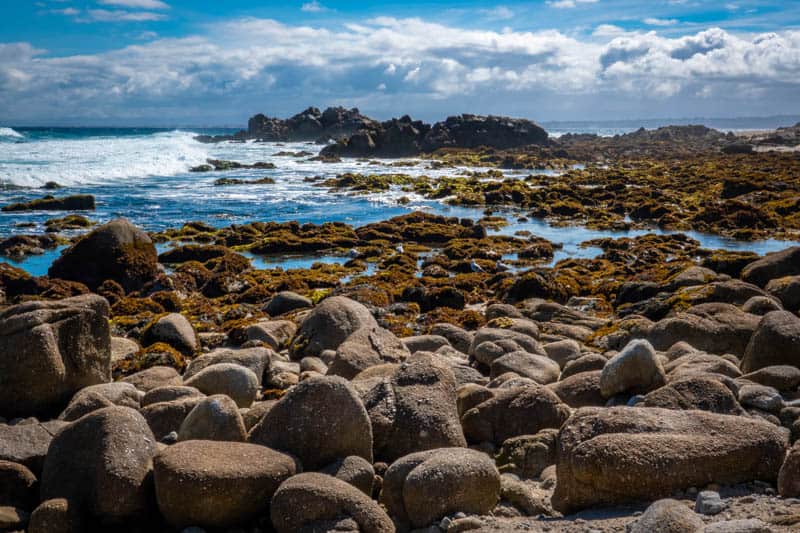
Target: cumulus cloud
568, 4
120, 15
401, 65
135, 4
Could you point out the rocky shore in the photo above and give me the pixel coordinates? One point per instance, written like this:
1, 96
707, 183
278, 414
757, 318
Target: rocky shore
441, 376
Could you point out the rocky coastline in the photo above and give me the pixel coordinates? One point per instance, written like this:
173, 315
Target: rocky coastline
441, 377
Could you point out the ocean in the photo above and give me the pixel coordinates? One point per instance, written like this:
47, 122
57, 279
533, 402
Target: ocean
143, 175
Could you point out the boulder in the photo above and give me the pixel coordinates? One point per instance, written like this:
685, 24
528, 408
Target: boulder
580, 390
514, 411
98, 396
49, 351
414, 410
117, 251
17, 486
774, 265
585, 363
787, 290
13, 518
713, 328
760, 397
539, 368
235, 381
318, 421
422, 488
563, 352
702, 392
781, 377
103, 461
318, 502
166, 417
761, 305
256, 359
364, 348
286, 301
169, 393
618, 454
354, 470
27, 443
123, 348
636, 369
458, 337
175, 330
667, 516
213, 418
218, 484
528, 455
425, 343
274, 333
154, 377
775, 342
789, 475
329, 324
56, 516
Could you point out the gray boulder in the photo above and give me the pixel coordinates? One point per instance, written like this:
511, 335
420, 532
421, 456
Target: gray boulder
667, 516
364, 348
175, 330
775, 342
636, 369
329, 324
235, 381
774, 265
286, 301
213, 418
49, 351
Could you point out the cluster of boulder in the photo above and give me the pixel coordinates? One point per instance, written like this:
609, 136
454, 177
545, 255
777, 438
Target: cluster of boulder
356, 135
319, 418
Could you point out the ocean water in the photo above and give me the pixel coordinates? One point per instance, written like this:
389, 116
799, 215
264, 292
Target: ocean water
143, 174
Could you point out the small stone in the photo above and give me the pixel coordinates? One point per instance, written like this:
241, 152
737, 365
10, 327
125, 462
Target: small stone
709, 503
170, 438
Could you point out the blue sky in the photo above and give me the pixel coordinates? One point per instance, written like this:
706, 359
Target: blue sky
203, 62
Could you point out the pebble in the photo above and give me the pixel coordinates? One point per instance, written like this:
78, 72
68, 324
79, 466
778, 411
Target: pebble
709, 503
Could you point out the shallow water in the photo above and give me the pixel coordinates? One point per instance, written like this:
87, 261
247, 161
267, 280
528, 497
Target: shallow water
143, 175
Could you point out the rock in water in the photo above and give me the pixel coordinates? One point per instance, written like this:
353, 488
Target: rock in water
103, 461
317, 502
50, 350
117, 251
217, 484
318, 421
618, 454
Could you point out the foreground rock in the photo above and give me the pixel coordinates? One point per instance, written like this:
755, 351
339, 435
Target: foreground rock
329, 325
775, 342
103, 462
636, 369
667, 516
423, 487
619, 454
218, 484
116, 251
317, 502
50, 350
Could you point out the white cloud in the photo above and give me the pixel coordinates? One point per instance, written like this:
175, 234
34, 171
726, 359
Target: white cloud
67, 11
242, 63
119, 15
313, 7
498, 13
652, 21
135, 4
568, 4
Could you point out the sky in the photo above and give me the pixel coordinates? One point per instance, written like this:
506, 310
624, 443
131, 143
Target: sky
215, 63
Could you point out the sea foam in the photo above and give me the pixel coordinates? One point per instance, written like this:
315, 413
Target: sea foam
10, 133
99, 160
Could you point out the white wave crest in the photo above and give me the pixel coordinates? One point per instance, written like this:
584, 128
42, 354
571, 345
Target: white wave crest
100, 160
8, 132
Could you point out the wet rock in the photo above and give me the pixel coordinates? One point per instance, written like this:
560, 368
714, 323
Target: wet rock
636, 369
414, 409
667, 516
103, 461
317, 502
319, 421
514, 411
116, 251
775, 342
213, 418
617, 454
285, 302
329, 325
235, 381
366, 347
77, 202
50, 350
175, 330
218, 484
772, 266
423, 487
